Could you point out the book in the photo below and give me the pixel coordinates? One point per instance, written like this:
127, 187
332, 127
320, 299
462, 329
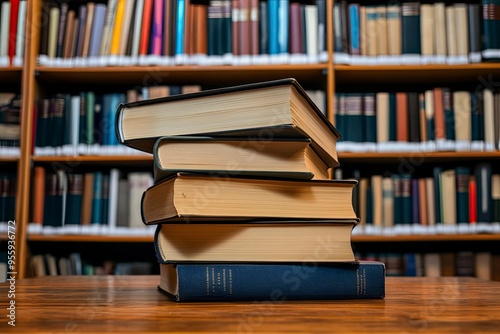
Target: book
235, 281
194, 197
236, 156
261, 241
265, 110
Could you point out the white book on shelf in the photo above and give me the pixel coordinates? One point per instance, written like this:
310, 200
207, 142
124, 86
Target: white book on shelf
489, 120
4, 33
52, 37
20, 38
461, 30
107, 30
462, 119
136, 34
440, 32
138, 183
114, 179
311, 18
451, 34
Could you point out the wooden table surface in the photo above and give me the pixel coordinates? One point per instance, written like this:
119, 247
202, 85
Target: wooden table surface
117, 304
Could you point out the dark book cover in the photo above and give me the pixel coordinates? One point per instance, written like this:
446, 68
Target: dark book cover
449, 114
214, 16
83, 119
491, 27
392, 117
54, 210
410, 22
74, 199
477, 117
369, 118
56, 114
105, 200
82, 15
42, 123
97, 205
263, 27
436, 172
406, 199
415, 207
277, 282
462, 198
322, 43
61, 29
474, 28
413, 117
353, 118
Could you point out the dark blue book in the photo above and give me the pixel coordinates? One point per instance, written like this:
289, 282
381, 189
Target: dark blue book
410, 22
477, 117
397, 208
491, 29
449, 114
436, 172
274, 282
74, 199
392, 117
273, 27
406, 199
462, 198
97, 205
54, 203
369, 118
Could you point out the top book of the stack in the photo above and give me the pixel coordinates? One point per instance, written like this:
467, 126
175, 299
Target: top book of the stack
259, 111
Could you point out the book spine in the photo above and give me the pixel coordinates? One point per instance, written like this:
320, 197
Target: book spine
410, 20
273, 21
74, 199
462, 189
280, 282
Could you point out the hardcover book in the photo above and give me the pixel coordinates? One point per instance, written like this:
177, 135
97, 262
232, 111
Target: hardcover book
195, 197
272, 109
234, 281
258, 241
292, 158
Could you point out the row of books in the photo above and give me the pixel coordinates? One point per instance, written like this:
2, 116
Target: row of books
412, 32
451, 196
8, 190
483, 265
438, 119
83, 124
12, 32
10, 110
71, 199
160, 32
73, 264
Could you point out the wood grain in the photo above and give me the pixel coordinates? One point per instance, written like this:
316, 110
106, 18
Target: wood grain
118, 304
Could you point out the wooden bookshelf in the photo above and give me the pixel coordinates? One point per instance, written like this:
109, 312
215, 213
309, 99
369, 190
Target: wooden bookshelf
33, 79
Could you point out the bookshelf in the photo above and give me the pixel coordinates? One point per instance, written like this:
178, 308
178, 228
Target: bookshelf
36, 81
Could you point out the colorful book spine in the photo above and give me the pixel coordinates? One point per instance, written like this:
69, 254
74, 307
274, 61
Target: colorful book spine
277, 282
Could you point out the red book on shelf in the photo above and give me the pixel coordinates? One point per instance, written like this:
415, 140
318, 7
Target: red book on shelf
295, 28
146, 24
402, 133
244, 27
439, 122
254, 27
472, 201
235, 17
14, 13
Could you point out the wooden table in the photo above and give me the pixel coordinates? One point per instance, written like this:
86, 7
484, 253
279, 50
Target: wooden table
91, 304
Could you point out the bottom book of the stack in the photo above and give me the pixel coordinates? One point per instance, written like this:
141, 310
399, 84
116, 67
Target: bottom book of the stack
275, 282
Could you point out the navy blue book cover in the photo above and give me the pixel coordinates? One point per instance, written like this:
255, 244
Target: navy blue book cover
275, 282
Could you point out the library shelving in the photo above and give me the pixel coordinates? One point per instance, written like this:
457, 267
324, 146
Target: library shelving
42, 79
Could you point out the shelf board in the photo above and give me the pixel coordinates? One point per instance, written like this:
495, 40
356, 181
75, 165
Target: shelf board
97, 159
8, 159
355, 238
90, 238
426, 238
480, 73
10, 74
382, 157
205, 75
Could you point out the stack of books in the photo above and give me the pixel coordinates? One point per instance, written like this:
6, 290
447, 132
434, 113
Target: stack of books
242, 199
